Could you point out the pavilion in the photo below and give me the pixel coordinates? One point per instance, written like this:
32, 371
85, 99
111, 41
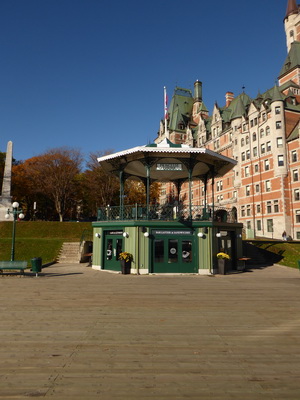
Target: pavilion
166, 238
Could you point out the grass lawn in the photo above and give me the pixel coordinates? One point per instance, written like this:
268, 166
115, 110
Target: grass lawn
40, 239
289, 251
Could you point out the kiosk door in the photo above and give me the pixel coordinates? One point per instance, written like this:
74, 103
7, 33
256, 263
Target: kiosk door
113, 247
173, 252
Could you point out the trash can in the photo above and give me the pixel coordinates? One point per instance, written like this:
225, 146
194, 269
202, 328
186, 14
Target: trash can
36, 264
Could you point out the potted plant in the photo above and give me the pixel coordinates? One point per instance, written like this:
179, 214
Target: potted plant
222, 257
126, 259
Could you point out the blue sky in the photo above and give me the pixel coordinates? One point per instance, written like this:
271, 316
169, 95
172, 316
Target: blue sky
90, 74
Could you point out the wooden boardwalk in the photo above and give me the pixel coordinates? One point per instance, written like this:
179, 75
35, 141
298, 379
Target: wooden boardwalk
75, 333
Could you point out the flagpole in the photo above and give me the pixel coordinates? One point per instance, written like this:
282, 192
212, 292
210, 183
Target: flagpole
166, 112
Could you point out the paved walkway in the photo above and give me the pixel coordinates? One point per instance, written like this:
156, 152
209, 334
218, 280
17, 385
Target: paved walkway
76, 333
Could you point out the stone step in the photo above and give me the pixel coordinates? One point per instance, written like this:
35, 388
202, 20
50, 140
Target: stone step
69, 253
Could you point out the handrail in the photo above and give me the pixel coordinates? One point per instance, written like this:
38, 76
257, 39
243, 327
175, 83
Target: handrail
166, 212
85, 233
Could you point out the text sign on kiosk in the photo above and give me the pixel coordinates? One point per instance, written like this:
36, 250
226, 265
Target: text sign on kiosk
169, 167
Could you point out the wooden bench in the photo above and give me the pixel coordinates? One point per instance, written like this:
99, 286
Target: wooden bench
243, 262
13, 266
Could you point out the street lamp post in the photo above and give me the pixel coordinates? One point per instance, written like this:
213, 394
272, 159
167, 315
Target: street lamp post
16, 213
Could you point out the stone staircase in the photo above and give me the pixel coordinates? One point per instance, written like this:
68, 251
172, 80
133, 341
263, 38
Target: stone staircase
69, 253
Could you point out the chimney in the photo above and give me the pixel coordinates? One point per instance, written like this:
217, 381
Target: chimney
198, 91
229, 97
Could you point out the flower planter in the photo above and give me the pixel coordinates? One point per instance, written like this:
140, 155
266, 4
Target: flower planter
125, 267
222, 266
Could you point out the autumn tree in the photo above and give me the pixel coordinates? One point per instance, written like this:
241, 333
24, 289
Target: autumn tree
135, 192
2, 163
51, 176
99, 187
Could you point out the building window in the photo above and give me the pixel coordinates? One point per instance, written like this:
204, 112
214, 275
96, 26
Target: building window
280, 161
269, 225
297, 216
268, 186
243, 142
298, 235
276, 206
235, 194
277, 110
254, 151
264, 117
267, 131
251, 123
256, 167
254, 137
278, 124
257, 188
258, 225
219, 186
255, 121
268, 146
263, 148
296, 194
248, 154
269, 207
248, 190
243, 157
294, 156
244, 127
243, 211
262, 133
295, 175
267, 165
248, 211
247, 139
279, 142
258, 208
248, 224
247, 171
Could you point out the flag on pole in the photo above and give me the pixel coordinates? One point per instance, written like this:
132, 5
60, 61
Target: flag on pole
166, 103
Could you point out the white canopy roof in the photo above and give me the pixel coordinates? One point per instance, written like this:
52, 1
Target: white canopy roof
167, 162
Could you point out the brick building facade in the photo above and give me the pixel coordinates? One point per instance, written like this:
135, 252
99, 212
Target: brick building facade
262, 134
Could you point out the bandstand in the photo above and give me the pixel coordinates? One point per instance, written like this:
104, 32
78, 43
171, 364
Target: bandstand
167, 238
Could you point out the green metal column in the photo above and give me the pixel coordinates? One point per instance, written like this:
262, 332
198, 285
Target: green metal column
213, 191
121, 177
205, 195
190, 170
148, 190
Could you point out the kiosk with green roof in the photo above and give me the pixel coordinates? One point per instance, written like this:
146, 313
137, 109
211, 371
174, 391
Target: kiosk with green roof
181, 237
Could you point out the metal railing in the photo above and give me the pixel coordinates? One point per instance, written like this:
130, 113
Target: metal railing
166, 212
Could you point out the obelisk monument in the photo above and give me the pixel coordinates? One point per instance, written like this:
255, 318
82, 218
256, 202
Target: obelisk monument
5, 198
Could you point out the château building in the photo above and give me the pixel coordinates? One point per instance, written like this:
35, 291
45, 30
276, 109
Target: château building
261, 134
